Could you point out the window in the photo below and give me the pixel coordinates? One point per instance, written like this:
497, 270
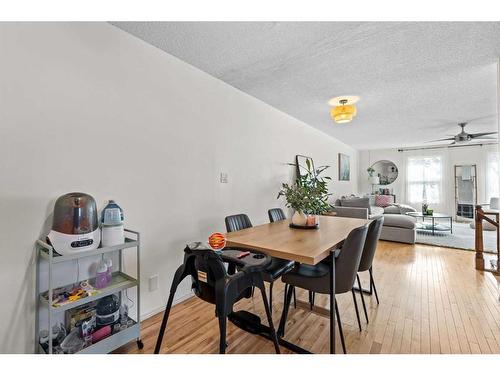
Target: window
424, 179
492, 177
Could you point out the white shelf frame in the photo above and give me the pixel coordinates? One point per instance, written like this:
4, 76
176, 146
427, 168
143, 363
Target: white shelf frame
45, 252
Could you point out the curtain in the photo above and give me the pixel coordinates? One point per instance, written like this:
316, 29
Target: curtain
492, 189
424, 175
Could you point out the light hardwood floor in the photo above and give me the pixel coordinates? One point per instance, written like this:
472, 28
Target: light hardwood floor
432, 300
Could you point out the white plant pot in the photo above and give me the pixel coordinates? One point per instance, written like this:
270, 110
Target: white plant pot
299, 218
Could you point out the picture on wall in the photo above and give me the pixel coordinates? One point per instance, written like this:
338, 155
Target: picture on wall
344, 168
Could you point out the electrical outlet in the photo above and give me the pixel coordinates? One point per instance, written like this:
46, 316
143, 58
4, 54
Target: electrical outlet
223, 178
153, 283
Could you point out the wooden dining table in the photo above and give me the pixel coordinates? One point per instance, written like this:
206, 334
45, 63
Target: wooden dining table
309, 246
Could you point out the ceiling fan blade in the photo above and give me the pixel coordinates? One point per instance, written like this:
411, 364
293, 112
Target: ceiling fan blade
476, 135
480, 118
485, 137
440, 140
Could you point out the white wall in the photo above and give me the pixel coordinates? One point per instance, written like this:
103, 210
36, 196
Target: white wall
451, 156
88, 107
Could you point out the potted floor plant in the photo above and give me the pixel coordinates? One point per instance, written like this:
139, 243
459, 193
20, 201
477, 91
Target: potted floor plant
308, 196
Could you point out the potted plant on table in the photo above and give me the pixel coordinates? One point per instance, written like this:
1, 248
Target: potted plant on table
308, 196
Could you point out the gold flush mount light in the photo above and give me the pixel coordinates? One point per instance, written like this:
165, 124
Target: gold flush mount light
343, 108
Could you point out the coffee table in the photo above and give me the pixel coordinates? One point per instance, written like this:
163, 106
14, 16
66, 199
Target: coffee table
432, 224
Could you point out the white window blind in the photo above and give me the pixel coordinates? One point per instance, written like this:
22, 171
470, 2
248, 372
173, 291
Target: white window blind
424, 179
492, 189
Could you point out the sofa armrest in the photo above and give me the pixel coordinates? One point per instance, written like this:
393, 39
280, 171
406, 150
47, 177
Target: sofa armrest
355, 212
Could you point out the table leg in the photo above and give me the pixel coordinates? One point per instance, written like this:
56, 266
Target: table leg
433, 224
451, 225
332, 302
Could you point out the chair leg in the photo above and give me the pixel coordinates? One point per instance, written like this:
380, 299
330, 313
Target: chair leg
311, 301
286, 306
164, 323
372, 283
178, 277
356, 308
269, 318
294, 298
222, 329
340, 327
271, 297
362, 299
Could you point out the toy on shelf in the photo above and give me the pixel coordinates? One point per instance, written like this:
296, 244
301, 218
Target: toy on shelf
75, 292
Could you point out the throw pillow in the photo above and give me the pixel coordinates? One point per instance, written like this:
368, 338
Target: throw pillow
404, 208
392, 209
383, 200
356, 202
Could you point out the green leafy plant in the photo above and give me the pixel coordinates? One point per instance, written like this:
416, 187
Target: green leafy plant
310, 193
370, 171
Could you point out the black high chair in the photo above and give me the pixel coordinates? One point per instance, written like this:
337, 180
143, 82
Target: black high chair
213, 284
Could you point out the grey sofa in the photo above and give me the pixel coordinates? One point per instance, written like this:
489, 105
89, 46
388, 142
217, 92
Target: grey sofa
397, 227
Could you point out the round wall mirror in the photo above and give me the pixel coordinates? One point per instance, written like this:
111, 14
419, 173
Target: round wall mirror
386, 171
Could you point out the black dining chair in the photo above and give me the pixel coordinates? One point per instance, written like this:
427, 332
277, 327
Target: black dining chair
212, 283
366, 263
276, 268
276, 214
317, 278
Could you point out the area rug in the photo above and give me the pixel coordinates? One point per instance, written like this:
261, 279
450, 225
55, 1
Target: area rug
461, 238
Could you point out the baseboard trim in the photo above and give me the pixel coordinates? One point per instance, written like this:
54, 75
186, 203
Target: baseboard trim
177, 300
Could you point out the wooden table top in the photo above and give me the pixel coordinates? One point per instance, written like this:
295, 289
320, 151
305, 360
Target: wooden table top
309, 246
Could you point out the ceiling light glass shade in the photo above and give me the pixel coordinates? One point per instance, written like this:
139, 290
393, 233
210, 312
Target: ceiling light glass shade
343, 113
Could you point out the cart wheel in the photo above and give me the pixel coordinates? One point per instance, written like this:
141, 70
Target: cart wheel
140, 345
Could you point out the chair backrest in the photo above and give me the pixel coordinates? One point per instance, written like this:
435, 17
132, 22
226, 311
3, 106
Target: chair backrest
237, 222
347, 263
372, 237
206, 268
276, 214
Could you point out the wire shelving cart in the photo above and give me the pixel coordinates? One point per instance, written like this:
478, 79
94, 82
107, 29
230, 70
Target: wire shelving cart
121, 281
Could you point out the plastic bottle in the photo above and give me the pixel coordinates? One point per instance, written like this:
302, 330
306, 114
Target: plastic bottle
101, 280
123, 314
109, 269
112, 225
112, 214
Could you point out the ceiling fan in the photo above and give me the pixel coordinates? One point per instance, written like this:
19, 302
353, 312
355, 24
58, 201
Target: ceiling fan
464, 137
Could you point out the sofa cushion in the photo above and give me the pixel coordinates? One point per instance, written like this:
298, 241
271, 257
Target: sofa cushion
356, 202
371, 197
404, 208
398, 220
376, 211
392, 209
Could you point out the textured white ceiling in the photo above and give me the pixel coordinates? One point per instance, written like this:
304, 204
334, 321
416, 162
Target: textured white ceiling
415, 79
